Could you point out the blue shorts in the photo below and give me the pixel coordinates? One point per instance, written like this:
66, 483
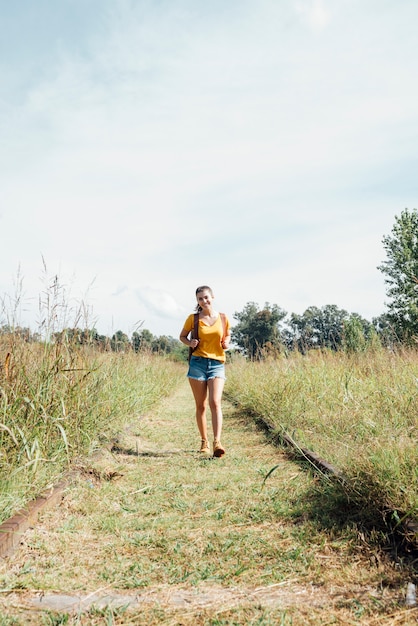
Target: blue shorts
205, 369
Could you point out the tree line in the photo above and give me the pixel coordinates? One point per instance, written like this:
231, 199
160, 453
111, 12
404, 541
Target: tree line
267, 331
260, 332
140, 341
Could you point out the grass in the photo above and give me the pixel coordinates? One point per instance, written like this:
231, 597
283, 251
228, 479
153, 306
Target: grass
358, 412
149, 520
199, 541
59, 401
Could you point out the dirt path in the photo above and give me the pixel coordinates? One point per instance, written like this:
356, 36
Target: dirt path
151, 534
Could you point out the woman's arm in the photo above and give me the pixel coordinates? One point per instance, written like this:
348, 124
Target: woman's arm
184, 338
227, 337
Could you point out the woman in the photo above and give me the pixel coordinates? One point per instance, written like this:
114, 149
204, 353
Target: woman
207, 366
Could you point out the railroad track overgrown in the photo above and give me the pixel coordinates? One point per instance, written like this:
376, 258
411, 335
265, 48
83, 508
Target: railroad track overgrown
192, 541
60, 400
354, 418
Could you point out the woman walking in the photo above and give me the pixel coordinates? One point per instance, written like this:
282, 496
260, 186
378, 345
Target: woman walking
207, 365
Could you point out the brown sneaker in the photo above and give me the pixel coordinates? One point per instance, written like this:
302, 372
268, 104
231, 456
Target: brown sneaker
218, 449
204, 448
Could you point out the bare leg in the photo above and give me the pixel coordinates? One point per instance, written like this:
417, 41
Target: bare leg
200, 392
216, 387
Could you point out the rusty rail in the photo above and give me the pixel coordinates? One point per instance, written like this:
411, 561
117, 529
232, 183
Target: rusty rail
409, 527
11, 531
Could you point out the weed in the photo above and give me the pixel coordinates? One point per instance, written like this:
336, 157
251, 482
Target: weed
55, 619
357, 412
205, 544
9, 621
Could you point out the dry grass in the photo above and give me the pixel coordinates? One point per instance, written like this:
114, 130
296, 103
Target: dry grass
61, 400
358, 412
188, 541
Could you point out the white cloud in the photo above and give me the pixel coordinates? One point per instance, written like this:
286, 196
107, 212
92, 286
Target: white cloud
160, 302
314, 12
220, 143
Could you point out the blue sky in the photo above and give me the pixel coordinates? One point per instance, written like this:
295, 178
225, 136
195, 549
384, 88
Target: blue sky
147, 147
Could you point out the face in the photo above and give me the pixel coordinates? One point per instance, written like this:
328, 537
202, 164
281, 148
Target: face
204, 298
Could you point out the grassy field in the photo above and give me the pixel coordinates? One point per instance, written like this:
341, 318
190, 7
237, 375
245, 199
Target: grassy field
358, 412
61, 401
149, 533
213, 542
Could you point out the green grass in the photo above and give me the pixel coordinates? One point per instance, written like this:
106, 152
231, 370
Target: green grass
151, 519
60, 401
357, 412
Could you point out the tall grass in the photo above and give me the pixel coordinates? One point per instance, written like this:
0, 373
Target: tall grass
59, 401
358, 412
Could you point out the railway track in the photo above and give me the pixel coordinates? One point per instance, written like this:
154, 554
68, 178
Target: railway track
13, 532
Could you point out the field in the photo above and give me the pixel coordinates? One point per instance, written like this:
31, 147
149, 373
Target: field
62, 401
148, 533
358, 412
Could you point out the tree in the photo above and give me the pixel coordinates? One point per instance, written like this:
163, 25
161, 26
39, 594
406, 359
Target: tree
120, 342
384, 330
165, 344
401, 271
257, 328
318, 327
142, 341
358, 334
17, 331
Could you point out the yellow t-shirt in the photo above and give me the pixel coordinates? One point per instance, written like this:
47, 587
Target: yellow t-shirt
210, 338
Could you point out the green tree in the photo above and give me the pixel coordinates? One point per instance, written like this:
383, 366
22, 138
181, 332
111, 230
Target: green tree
142, 341
401, 275
120, 342
17, 331
318, 327
78, 336
384, 331
165, 344
257, 328
358, 333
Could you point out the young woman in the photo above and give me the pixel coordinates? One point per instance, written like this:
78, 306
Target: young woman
207, 366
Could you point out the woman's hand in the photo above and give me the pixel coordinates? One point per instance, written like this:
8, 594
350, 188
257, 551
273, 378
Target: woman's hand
225, 342
194, 343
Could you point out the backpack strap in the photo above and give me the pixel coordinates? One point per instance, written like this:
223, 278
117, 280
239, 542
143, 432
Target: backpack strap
195, 332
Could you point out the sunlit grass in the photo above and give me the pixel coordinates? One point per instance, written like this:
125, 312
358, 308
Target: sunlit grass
169, 523
357, 412
59, 401
149, 519
149, 515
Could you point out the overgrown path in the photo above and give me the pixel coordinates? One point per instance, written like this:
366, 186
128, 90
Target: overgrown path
149, 533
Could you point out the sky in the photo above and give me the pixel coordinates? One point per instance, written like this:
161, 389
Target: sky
261, 147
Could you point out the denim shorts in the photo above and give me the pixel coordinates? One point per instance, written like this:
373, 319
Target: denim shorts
201, 368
